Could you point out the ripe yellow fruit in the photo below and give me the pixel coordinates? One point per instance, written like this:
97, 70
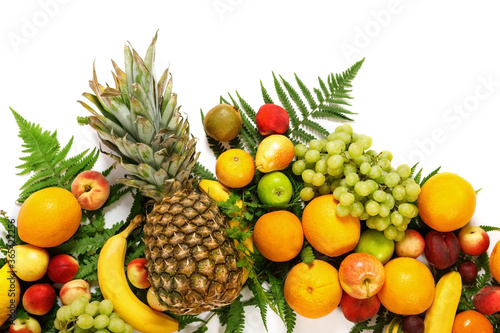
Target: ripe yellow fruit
446, 202
49, 217
494, 262
11, 292
325, 231
274, 153
235, 168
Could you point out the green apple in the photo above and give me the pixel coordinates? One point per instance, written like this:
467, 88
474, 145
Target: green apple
375, 243
275, 189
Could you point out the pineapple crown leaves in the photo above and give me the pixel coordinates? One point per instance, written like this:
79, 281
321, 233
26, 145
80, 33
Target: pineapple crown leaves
46, 160
140, 122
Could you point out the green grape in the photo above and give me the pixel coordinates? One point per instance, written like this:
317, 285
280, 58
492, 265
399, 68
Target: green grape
335, 147
371, 222
375, 172
347, 128
392, 179
365, 168
101, 321
324, 189
402, 227
381, 223
92, 308
77, 329
102, 331
335, 184
408, 181
68, 315
307, 175
106, 307
318, 179
365, 141
389, 201
335, 172
398, 192
362, 188
342, 210
385, 154
312, 156
298, 167
300, 150
335, 161
128, 328
85, 321
409, 198
379, 196
400, 236
343, 136
355, 149
391, 232
78, 306
373, 185
307, 193
116, 325
321, 166
61, 313
372, 207
412, 189
406, 210
350, 168
403, 171
59, 324
346, 199
315, 144
396, 218
323, 145
364, 216
114, 315
352, 179
310, 165
385, 164
357, 209
384, 210
339, 191
415, 211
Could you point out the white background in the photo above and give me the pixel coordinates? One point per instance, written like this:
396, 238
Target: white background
429, 90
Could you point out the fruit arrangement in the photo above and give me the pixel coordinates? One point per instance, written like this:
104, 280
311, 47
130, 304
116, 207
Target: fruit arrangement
307, 219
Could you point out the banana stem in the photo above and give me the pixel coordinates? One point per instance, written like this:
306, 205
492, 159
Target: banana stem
134, 223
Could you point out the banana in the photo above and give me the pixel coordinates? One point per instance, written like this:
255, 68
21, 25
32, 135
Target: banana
114, 286
440, 316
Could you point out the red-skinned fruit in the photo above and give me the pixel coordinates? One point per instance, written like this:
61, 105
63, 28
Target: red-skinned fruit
413, 324
357, 310
441, 249
473, 240
62, 268
39, 299
468, 271
272, 119
487, 300
29, 325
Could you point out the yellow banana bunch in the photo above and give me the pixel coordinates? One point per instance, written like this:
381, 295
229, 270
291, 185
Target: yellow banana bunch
114, 286
219, 193
440, 316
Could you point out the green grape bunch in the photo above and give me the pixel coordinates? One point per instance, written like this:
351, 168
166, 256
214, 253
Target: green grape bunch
82, 316
364, 182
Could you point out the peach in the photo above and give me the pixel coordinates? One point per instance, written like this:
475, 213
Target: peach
91, 189
30, 262
62, 268
30, 325
73, 289
153, 301
138, 274
272, 119
357, 310
473, 240
441, 249
412, 245
487, 300
361, 275
39, 298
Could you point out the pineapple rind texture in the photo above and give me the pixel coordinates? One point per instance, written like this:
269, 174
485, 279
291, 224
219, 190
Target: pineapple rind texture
191, 261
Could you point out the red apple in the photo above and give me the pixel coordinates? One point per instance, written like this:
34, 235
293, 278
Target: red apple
73, 289
361, 275
412, 245
473, 240
39, 298
357, 310
441, 249
487, 300
62, 268
272, 119
29, 325
137, 273
91, 189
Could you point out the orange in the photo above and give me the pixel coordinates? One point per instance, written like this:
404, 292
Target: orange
49, 217
314, 290
494, 262
409, 286
278, 235
235, 168
325, 231
471, 321
446, 202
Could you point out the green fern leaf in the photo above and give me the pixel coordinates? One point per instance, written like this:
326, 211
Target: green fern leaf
303, 135
307, 93
236, 318
319, 95
429, 176
265, 96
295, 97
323, 87
202, 172
311, 125
282, 96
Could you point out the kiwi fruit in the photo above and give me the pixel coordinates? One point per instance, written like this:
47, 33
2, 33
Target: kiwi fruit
223, 122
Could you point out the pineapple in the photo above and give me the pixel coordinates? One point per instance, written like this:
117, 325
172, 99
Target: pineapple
191, 260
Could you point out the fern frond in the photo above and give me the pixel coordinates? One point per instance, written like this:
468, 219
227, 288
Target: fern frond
295, 97
313, 126
265, 96
285, 101
307, 93
202, 172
